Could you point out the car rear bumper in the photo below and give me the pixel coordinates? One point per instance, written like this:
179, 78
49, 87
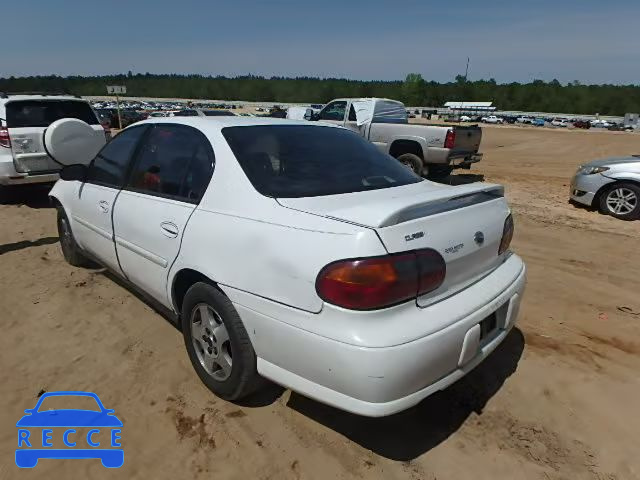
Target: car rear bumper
379, 381
584, 188
447, 156
9, 176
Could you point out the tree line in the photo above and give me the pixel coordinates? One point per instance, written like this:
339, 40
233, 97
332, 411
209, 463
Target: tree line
538, 95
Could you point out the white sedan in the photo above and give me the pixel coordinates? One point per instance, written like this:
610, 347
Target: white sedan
297, 252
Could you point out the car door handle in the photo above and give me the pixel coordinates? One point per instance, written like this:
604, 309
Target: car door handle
104, 206
169, 229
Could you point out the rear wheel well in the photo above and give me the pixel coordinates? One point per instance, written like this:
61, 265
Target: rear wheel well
183, 281
605, 188
54, 201
400, 147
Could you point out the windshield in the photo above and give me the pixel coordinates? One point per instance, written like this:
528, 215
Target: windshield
292, 161
42, 113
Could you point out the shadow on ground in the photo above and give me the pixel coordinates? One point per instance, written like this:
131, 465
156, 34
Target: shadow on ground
21, 245
33, 196
411, 433
463, 179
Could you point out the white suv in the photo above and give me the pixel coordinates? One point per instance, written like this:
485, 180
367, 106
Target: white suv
23, 119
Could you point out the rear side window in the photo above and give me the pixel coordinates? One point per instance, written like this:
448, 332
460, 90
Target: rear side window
42, 113
110, 165
389, 112
175, 161
306, 161
186, 113
218, 113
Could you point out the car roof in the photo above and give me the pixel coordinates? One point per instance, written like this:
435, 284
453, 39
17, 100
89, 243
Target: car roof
39, 96
364, 99
221, 122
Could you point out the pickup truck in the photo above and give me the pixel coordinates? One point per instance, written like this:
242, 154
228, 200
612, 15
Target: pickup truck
492, 119
432, 151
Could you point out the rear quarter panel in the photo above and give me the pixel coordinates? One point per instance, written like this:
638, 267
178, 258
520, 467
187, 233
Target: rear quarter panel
426, 136
276, 254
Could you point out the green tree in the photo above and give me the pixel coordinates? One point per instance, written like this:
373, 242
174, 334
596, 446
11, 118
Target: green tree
413, 89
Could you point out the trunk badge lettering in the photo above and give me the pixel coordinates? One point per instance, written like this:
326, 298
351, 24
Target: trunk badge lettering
454, 249
413, 236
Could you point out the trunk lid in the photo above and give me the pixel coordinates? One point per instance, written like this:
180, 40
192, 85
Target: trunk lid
26, 122
464, 224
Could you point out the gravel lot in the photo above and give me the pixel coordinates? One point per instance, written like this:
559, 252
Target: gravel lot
558, 400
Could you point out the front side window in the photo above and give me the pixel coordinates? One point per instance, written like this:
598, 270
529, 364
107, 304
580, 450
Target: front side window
291, 161
110, 165
175, 161
333, 111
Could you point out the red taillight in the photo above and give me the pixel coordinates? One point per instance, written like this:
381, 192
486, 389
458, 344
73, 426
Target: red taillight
450, 139
5, 140
378, 282
431, 270
507, 235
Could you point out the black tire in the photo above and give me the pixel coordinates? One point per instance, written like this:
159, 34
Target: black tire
439, 172
70, 249
243, 379
630, 209
413, 162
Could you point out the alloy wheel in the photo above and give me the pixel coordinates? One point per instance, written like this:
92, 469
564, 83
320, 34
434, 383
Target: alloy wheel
621, 201
211, 341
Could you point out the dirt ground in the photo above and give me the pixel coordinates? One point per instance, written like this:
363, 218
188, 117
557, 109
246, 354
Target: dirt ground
558, 400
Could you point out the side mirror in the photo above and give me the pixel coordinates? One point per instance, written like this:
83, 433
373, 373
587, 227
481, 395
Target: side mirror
308, 114
75, 172
70, 141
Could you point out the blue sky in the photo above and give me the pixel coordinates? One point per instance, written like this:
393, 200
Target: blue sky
591, 41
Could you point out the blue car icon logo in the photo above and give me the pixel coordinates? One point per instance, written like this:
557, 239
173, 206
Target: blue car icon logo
40, 427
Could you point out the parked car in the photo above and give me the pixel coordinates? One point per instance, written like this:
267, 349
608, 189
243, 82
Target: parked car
559, 122
598, 123
492, 119
23, 119
538, 122
582, 124
432, 151
341, 274
612, 185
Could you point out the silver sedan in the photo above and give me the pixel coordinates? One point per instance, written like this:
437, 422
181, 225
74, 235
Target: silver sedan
612, 185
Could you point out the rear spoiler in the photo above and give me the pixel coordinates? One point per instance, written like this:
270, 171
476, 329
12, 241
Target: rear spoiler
484, 194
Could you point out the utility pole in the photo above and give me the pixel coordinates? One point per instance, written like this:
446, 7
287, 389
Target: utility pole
466, 71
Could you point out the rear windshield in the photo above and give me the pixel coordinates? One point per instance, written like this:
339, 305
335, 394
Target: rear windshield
291, 161
42, 113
